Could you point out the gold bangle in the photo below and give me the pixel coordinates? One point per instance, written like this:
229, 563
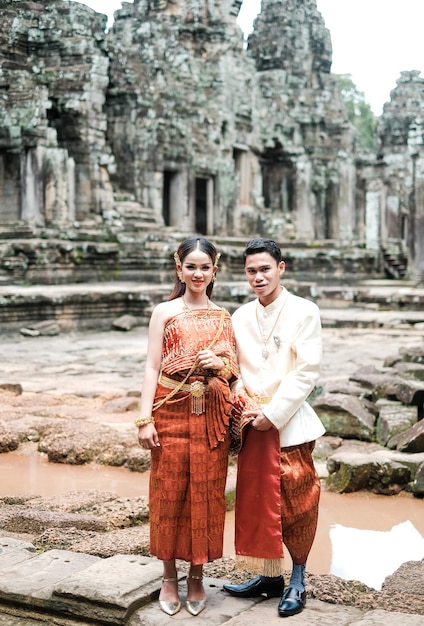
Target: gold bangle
226, 370
143, 421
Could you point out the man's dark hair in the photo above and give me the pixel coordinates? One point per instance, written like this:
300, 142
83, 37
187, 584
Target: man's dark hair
255, 246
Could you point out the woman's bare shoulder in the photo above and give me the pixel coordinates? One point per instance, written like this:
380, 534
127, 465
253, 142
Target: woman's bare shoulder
164, 311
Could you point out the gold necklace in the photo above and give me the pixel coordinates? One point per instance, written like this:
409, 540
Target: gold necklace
276, 338
191, 312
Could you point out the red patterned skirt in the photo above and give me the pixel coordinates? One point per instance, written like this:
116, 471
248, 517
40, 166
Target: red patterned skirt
187, 484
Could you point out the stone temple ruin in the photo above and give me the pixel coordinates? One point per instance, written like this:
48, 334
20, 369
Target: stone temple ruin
169, 124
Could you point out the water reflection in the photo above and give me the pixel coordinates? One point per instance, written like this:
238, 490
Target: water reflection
33, 475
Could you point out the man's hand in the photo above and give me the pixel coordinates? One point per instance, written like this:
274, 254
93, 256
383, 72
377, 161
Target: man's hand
260, 422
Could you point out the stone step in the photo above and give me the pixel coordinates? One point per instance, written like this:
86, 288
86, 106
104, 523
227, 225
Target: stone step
83, 306
18, 231
61, 586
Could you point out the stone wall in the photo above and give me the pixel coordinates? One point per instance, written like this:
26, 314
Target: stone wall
53, 80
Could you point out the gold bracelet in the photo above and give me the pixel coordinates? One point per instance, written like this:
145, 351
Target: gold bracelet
143, 421
224, 371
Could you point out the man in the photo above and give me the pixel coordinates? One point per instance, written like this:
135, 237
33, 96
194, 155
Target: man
278, 338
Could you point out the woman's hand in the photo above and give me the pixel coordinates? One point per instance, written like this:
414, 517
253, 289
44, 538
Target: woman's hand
148, 437
209, 360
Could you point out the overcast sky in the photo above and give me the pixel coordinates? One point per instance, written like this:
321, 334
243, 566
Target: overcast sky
373, 40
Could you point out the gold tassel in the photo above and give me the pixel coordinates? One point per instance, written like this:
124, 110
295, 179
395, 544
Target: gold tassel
197, 405
197, 397
257, 565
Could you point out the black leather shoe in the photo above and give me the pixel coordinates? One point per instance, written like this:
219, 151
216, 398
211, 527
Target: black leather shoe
272, 587
292, 602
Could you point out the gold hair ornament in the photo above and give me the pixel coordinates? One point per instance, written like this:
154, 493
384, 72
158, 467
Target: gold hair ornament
178, 263
218, 255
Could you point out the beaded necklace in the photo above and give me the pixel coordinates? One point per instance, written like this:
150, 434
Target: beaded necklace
191, 313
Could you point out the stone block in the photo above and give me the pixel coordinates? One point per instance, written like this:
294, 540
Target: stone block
14, 551
111, 589
31, 581
393, 419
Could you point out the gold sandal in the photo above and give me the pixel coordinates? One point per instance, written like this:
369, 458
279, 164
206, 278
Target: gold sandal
194, 608
170, 608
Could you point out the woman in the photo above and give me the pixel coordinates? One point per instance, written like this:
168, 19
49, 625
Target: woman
185, 410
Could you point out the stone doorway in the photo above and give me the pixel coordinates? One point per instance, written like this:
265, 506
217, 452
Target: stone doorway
278, 182
204, 193
173, 195
10, 193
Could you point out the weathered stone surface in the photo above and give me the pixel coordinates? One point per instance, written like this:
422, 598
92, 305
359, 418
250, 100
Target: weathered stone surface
347, 387
13, 551
412, 354
132, 540
382, 618
126, 322
417, 486
15, 389
381, 471
408, 577
345, 416
127, 583
326, 445
47, 327
22, 520
407, 391
77, 444
410, 440
8, 440
394, 418
33, 580
409, 368
74, 308
382, 384
86, 511
121, 405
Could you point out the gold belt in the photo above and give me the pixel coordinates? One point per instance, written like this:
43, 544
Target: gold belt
260, 399
197, 390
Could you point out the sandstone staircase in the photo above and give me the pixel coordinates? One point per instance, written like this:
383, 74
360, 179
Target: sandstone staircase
135, 218
395, 263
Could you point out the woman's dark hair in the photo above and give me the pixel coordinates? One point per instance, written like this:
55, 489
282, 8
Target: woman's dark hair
187, 246
255, 246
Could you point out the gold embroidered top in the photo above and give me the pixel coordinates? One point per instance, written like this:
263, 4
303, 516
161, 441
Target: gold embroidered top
185, 336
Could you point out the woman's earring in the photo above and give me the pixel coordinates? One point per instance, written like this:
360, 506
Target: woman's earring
213, 278
180, 276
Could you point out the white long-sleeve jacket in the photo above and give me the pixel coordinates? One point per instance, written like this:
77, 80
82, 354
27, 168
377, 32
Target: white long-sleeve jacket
289, 330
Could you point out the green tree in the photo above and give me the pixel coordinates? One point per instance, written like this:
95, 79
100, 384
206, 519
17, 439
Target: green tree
359, 111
